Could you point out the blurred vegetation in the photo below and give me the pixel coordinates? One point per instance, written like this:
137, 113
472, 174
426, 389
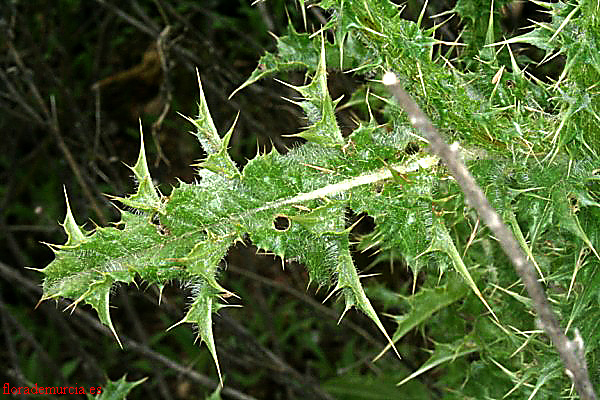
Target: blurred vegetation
75, 77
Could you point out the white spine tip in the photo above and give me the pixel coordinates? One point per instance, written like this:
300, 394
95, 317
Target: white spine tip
389, 78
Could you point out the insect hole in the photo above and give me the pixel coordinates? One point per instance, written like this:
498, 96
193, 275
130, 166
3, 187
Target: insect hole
281, 223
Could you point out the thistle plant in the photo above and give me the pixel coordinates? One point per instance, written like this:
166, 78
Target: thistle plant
531, 146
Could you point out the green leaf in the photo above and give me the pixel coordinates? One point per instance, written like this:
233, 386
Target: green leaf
349, 284
443, 242
218, 160
147, 197
566, 217
75, 235
426, 302
206, 132
200, 313
444, 353
185, 235
319, 107
216, 395
117, 390
294, 51
532, 146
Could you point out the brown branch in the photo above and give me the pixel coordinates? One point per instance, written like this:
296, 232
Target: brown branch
166, 92
319, 307
571, 351
50, 120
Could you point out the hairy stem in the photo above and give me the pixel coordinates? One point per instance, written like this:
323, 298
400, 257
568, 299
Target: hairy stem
347, 184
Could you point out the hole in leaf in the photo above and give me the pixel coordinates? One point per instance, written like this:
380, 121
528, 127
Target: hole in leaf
573, 200
161, 229
363, 223
281, 223
411, 148
573, 203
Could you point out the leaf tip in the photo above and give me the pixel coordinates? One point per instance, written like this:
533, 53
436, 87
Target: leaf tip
74, 233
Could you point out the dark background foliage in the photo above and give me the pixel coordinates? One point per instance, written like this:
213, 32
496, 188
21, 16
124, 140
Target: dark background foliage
75, 77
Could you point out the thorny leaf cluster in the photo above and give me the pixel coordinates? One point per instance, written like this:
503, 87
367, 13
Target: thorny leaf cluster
531, 146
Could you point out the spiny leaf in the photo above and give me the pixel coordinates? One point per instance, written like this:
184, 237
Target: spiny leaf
487, 54
573, 33
200, 313
296, 51
74, 233
445, 353
294, 205
319, 107
349, 284
220, 162
443, 242
186, 234
425, 303
116, 390
566, 217
206, 132
512, 221
147, 197
85, 271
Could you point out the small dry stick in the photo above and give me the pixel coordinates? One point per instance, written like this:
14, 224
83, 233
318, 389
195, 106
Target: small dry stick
571, 351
